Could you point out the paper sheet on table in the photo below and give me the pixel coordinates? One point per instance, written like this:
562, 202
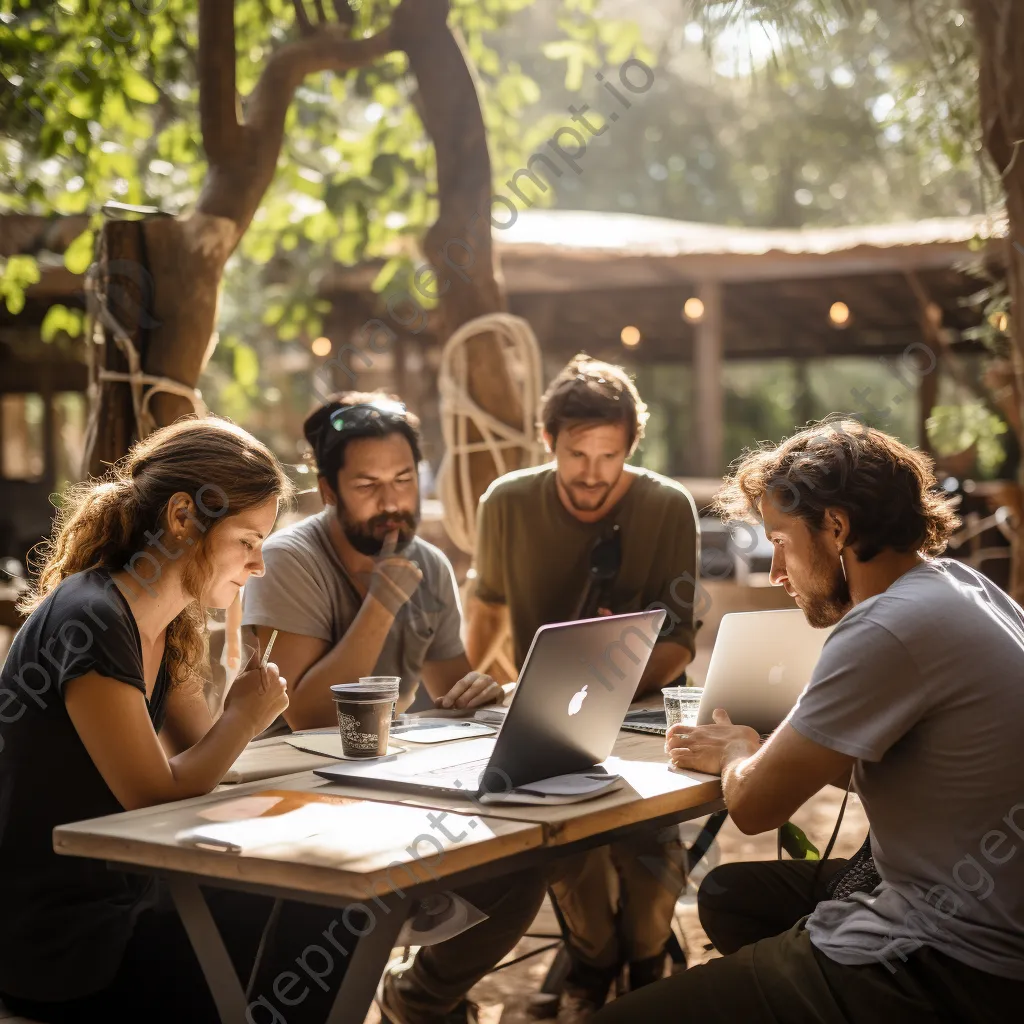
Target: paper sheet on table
240, 809
490, 714
323, 823
252, 833
562, 789
328, 744
441, 732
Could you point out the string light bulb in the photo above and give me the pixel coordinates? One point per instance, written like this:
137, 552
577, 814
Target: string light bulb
693, 309
630, 336
839, 314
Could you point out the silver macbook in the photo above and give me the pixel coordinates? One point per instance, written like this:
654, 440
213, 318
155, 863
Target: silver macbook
574, 688
760, 665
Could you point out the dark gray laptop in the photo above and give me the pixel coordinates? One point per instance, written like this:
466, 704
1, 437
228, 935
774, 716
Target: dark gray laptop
574, 688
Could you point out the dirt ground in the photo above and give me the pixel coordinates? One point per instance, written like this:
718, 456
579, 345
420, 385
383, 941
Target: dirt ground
503, 996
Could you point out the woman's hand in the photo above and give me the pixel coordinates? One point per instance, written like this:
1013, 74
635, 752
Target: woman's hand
258, 696
704, 748
471, 691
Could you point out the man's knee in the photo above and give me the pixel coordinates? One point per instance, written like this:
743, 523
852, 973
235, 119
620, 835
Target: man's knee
723, 888
512, 897
580, 869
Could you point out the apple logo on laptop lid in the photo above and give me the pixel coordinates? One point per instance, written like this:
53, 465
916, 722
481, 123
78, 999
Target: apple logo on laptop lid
576, 704
776, 674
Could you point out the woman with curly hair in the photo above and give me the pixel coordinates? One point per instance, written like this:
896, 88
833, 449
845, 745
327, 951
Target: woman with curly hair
917, 698
102, 710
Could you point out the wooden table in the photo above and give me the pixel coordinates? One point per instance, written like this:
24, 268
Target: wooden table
495, 840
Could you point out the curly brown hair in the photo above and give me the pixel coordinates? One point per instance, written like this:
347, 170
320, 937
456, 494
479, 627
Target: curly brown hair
591, 391
888, 490
103, 524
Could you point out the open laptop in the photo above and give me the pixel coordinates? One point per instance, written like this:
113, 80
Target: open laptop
760, 664
574, 688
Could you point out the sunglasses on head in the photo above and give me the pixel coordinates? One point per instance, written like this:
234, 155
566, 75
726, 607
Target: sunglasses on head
349, 416
355, 417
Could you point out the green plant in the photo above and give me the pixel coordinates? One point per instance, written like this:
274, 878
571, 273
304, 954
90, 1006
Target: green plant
955, 428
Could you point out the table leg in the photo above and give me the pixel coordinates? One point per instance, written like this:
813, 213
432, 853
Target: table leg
364, 970
268, 930
210, 949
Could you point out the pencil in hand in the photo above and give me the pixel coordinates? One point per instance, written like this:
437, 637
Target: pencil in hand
270, 647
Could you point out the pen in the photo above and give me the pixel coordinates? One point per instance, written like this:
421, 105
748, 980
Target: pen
266, 653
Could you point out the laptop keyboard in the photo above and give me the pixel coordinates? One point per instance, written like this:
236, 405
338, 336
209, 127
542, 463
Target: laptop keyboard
468, 770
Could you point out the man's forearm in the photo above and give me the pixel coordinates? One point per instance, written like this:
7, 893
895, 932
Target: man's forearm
354, 655
736, 765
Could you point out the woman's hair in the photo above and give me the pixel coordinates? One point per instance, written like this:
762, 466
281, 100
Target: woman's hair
592, 392
118, 521
887, 489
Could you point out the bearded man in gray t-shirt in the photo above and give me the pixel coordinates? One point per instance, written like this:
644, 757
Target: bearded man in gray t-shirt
354, 592
918, 697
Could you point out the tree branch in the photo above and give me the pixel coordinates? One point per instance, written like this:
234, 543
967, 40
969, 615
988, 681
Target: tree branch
345, 14
302, 18
328, 49
236, 192
218, 116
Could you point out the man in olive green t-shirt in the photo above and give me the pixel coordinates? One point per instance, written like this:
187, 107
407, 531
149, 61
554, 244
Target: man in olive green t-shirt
536, 530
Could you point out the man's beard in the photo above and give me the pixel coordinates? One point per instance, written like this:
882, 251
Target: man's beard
594, 498
367, 536
826, 607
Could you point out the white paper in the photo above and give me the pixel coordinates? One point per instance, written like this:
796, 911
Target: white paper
432, 733
437, 918
570, 785
328, 744
252, 833
562, 789
240, 809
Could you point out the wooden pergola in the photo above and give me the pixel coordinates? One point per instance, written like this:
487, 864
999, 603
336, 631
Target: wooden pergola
579, 278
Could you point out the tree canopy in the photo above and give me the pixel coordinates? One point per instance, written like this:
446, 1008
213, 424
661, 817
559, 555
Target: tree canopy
101, 103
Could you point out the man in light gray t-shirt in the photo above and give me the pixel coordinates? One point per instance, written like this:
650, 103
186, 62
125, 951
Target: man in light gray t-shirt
354, 592
308, 591
940, 768
917, 701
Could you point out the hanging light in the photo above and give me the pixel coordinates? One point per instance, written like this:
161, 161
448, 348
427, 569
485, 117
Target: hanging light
322, 347
839, 314
630, 336
693, 309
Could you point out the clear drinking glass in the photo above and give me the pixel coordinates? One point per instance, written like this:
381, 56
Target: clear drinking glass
682, 704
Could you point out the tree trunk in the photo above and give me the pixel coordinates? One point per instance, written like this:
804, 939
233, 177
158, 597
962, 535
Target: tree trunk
999, 25
450, 110
117, 281
160, 279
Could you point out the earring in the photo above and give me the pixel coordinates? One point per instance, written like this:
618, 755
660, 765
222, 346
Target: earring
842, 564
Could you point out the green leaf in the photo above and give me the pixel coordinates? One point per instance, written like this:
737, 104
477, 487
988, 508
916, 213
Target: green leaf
138, 88
54, 321
796, 843
246, 365
387, 273
79, 253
